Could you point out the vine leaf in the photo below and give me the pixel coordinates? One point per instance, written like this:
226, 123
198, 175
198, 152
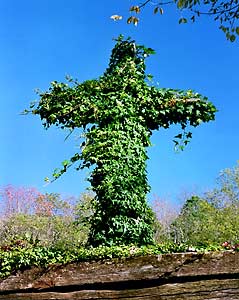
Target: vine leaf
182, 21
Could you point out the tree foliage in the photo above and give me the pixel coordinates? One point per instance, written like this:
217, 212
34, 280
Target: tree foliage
28, 216
226, 13
118, 113
213, 218
195, 224
226, 192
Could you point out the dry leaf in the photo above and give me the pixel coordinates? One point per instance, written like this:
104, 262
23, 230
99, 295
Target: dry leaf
116, 17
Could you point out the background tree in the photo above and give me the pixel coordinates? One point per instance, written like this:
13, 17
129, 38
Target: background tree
224, 12
195, 224
212, 218
165, 212
118, 113
226, 192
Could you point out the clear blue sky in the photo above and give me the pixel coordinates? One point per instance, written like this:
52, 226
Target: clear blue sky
42, 41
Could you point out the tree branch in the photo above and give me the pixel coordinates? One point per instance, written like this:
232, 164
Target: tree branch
219, 12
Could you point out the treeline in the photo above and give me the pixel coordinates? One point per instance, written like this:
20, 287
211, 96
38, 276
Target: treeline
28, 216
212, 218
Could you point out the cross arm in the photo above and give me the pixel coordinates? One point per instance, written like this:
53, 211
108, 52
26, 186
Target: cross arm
67, 106
166, 106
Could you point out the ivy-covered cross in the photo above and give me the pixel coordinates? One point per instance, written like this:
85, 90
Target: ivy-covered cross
118, 113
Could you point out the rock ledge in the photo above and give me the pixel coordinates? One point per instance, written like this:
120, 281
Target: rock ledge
193, 276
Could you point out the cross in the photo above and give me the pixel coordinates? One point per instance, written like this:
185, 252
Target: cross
118, 112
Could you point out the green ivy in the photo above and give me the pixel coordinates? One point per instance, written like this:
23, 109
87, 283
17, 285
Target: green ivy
118, 113
20, 258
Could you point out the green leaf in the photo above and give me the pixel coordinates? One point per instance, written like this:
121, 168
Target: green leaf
149, 77
179, 136
237, 30
156, 10
232, 38
149, 50
182, 21
65, 163
180, 4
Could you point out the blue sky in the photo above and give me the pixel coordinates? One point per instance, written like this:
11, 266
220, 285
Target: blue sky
42, 41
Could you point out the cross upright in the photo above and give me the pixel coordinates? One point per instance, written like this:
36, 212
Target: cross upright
118, 113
